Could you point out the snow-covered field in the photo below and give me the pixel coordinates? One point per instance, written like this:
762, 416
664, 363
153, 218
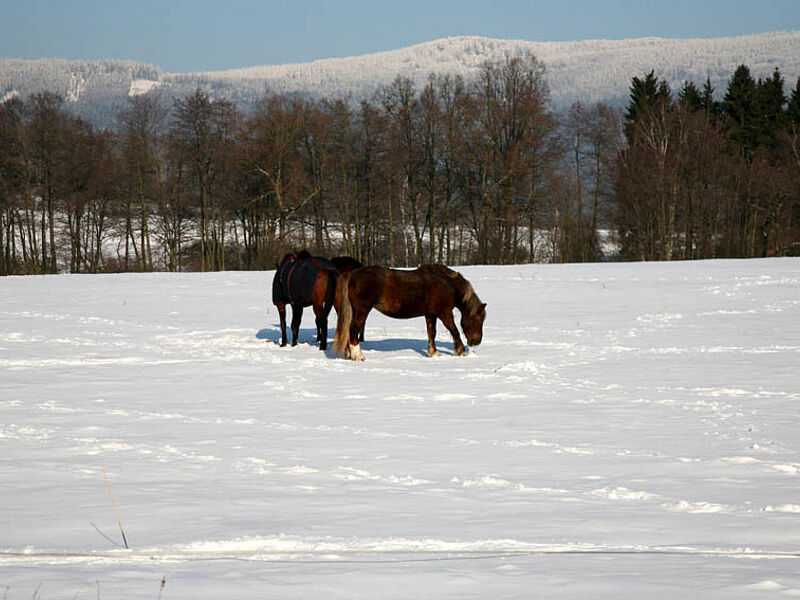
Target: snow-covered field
624, 431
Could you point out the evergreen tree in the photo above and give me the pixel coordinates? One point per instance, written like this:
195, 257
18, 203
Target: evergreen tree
771, 103
740, 110
644, 94
690, 97
793, 109
664, 94
771, 97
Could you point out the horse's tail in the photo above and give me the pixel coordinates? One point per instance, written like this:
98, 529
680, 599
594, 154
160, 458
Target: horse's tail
344, 316
330, 290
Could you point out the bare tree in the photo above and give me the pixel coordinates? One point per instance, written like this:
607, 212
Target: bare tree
512, 126
202, 132
142, 123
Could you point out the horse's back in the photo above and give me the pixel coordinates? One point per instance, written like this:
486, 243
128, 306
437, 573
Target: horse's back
367, 283
298, 275
400, 293
441, 271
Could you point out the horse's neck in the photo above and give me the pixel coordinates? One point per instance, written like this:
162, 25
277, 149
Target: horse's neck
286, 265
467, 300
462, 299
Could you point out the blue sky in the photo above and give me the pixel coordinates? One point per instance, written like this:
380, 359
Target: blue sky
200, 35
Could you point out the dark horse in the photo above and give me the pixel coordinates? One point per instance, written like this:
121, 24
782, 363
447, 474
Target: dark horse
345, 264
304, 280
431, 291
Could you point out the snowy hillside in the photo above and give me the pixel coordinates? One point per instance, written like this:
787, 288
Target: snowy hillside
94, 90
624, 431
593, 70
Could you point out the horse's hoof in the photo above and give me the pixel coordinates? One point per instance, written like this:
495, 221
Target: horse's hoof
434, 353
461, 351
356, 354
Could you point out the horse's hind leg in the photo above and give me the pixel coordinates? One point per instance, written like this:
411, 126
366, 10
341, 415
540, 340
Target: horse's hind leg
282, 315
321, 314
430, 321
297, 315
450, 324
357, 329
323, 308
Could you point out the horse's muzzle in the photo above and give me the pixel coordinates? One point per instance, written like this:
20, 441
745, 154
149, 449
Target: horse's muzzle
474, 342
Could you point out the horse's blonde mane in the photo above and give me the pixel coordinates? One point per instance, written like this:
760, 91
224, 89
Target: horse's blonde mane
469, 301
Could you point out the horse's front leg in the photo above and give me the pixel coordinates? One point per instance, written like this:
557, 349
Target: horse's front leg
282, 315
297, 315
430, 321
450, 324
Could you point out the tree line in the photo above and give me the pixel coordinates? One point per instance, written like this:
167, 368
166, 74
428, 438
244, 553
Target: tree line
454, 172
700, 178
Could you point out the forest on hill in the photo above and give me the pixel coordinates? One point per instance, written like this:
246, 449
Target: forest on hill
450, 171
588, 71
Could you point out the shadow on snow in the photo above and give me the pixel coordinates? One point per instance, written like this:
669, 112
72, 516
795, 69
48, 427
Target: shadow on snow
309, 336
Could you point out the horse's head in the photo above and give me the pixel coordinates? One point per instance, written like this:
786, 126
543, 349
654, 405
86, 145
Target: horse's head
472, 324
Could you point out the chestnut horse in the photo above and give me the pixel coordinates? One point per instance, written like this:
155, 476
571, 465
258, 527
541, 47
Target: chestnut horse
304, 280
431, 291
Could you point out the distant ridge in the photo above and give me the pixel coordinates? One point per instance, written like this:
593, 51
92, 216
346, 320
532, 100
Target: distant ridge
589, 70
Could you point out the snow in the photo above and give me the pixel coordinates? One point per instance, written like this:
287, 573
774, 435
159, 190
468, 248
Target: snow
77, 86
142, 86
623, 430
585, 70
10, 95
